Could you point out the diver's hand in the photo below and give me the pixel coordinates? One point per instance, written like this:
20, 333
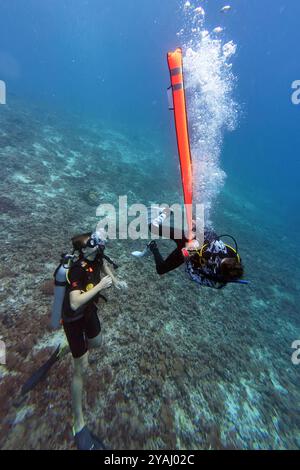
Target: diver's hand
105, 283
121, 285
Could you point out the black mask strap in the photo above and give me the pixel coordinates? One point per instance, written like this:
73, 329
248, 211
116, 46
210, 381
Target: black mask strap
107, 258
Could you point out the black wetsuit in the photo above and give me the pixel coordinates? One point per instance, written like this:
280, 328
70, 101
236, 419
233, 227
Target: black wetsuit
82, 324
175, 259
207, 276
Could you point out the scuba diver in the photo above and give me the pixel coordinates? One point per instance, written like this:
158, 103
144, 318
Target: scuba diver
213, 264
80, 280
85, 284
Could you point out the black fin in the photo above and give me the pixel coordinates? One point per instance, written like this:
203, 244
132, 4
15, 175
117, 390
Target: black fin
41, 373
98, 443
85, 440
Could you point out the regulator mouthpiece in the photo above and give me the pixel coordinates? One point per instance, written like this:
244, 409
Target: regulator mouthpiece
96, 241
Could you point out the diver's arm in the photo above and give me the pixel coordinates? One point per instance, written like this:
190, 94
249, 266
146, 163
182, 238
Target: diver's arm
116, 282
78, 298
109, 272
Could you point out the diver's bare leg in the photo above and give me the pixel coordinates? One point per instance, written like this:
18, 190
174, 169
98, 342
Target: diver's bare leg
96, 343
80, 369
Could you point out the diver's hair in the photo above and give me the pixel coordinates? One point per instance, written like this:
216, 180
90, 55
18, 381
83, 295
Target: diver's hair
231, 269
78, 241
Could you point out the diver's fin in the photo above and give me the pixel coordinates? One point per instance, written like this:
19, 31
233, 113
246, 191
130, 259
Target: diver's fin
141, 254
41, 373
85, 440
157, 215
98, 443
147, 251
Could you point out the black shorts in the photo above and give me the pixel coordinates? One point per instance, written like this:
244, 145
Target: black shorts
79, 331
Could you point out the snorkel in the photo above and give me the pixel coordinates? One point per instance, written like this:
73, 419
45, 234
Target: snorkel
239, 281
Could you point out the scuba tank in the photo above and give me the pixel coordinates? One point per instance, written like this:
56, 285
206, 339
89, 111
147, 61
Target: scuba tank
60, 282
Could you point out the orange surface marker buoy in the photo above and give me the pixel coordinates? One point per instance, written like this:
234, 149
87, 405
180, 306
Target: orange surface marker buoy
181, 123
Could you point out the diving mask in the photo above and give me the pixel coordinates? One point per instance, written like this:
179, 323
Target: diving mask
95, 241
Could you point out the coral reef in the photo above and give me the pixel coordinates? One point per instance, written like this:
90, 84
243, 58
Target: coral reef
180, 367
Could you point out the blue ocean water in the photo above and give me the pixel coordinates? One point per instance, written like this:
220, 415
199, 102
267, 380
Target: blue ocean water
86, 120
